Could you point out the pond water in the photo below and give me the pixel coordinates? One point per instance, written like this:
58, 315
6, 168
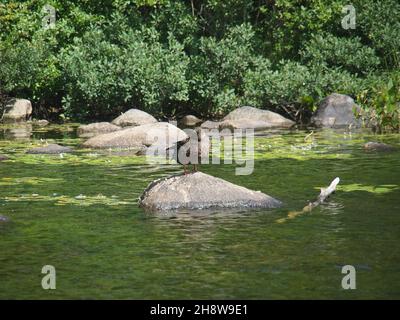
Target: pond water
79, 213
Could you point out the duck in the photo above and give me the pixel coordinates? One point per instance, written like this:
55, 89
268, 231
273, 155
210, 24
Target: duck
192, 149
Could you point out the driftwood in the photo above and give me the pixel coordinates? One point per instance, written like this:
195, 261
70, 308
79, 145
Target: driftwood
325, 193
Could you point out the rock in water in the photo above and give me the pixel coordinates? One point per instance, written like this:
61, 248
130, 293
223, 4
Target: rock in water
2, 157
50, 149
210, 125
134, 117
257, 125
190, 120
42, 122
378, 146
139, 137
335, 111
250, 114
4, 219
93, 129
201, 191
17, 110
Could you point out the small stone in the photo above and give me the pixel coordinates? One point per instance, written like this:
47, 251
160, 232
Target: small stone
134, 117
190, 120
378, 146
93, 129
50, 149
42, 123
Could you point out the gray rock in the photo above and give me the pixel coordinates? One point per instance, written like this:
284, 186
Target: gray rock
271, 119
17, 110
378, 146
190, 120
335, 111
201, 191
134, 117
210, 124
93, 129
160, 133
42, 122
3, 157
50, 149
257, 125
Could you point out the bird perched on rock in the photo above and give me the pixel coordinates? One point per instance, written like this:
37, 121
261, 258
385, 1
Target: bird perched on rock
192, 150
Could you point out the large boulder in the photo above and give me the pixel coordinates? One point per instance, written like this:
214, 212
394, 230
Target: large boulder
161, 133
201, 191
190, 120
335, 111
90, 130
50, 149
17, 110
243, 117
134, 117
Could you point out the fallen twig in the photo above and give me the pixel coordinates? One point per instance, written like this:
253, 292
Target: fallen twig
325, 193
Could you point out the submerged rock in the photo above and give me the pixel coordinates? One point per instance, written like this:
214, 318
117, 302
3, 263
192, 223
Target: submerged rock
3, 157
17, 110
90, 130
134, 117
201, 191
190, 120
335, 111
247, 116
160, 133
378, 146
4, 219
50, 149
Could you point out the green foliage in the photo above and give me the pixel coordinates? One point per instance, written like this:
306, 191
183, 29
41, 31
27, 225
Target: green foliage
348, 53
380, 27
382, 103
206, 57
216, 73
104, 78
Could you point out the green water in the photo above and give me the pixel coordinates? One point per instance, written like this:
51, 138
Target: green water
79, 213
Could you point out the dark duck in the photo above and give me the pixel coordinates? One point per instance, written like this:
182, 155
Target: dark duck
192, 150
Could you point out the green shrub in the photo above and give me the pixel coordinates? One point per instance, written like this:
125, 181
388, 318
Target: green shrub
216, 73
348, 53
381, 102
205, 57
103, 78
378, 23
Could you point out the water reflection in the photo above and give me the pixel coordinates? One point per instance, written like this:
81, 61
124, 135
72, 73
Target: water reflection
18, 132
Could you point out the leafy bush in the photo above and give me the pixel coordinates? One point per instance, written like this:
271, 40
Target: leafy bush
206, 57
216, 73
104, 78
382, 103
348, 53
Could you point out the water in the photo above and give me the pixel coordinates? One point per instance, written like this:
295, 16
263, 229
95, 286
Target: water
79, 213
